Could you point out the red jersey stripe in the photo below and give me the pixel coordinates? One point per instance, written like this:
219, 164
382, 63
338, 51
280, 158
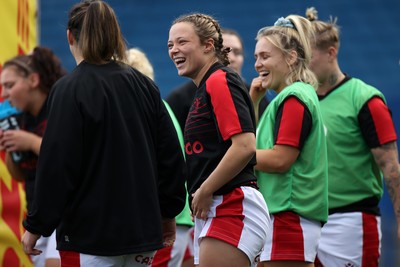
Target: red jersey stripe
287, 240
382, 120
162, 257
224, 107
228, 223
290, 128
370, 240
70, 258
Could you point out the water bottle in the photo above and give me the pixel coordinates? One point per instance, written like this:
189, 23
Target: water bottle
8, 121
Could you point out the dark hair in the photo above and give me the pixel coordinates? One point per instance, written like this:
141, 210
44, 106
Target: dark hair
207, 27
235, 33
95, 28
43, 61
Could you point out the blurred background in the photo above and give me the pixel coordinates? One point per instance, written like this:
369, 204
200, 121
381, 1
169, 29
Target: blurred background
370, 47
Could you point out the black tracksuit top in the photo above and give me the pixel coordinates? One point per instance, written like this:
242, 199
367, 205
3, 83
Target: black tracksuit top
110, 166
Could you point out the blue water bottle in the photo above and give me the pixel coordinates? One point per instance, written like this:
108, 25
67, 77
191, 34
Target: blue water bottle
8, 121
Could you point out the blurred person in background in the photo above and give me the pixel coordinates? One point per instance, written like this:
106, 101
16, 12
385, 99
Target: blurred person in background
362, 153
27, 81
181, 252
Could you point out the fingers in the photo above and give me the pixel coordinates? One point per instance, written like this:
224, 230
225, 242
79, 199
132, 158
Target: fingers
30, 250
200, 214
169, 242
29, 242
33, 252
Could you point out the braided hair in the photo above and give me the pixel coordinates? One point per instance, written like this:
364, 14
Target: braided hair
207, 27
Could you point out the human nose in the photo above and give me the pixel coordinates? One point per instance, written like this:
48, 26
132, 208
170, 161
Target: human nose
4, 93
172, 49
257, 64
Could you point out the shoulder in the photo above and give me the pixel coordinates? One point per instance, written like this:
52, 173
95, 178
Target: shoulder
300, 89
361, 92
225, 76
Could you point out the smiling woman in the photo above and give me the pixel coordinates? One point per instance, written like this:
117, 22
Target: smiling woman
291, 145
231, 217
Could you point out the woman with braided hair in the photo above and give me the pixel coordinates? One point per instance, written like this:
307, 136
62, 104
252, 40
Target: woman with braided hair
230, 215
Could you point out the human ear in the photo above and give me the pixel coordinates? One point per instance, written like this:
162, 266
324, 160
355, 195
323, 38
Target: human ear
70, 38
332, 53
292, 57
209, 45
34, 79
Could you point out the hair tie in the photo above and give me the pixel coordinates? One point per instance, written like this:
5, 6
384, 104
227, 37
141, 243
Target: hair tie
284, 23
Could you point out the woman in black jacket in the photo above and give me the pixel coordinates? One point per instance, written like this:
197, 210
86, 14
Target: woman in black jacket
111, 172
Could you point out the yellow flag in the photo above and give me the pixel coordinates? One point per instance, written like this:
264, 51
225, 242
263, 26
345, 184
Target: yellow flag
19, 32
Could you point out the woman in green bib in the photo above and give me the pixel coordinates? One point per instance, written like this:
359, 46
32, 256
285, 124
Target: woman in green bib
362, 152
291, 147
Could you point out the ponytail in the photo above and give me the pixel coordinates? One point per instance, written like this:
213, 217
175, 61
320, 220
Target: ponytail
95, 27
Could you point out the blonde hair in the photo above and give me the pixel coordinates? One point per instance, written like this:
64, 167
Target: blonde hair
293, 33
326, 33
138, 60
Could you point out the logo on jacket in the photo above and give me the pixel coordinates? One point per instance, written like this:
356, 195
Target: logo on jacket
196, 148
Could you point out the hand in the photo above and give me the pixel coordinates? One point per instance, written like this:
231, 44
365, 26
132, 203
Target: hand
201, 203
17, 140
29, 242
169, 231
1, 140
257, 92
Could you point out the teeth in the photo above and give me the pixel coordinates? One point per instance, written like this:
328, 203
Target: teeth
179, 60
264, 73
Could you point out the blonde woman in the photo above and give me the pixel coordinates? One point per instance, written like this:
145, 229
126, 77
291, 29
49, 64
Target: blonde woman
291, 147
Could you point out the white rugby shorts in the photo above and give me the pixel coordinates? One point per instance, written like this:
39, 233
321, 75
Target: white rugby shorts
291, 238
239, 218
350, 239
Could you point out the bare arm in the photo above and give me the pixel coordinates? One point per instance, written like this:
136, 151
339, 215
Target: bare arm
279, 159
386, 156
20, 140
236, 158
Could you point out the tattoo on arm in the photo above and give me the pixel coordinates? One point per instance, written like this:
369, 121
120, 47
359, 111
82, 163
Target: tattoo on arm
386, 156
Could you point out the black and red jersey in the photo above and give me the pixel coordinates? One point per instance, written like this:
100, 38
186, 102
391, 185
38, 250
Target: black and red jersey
35, 125
221, 108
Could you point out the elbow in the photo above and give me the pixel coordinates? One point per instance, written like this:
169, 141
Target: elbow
275, 166
282, 167
283, 164
249, 151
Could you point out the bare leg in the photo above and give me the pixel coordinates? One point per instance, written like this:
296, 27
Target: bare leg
216, 253
188, 263
53, 263
288, 264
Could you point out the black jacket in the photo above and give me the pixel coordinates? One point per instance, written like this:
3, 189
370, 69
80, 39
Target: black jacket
110, 165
